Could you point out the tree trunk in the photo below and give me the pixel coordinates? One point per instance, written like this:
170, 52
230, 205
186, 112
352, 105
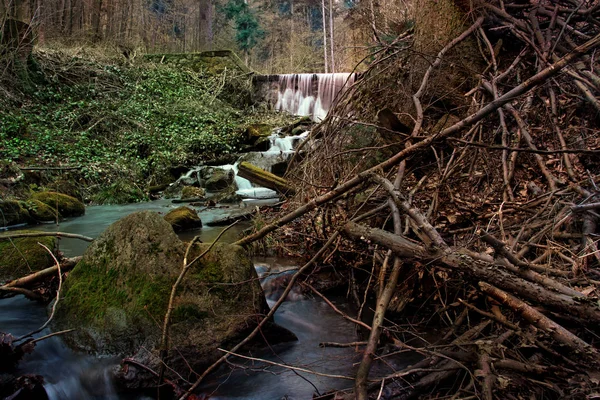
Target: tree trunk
324, 35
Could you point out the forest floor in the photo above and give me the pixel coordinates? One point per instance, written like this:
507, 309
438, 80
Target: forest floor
124, 124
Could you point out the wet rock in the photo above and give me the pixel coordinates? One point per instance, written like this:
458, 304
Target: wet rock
122, 282
67, 206
42, 212
189, 192
13, 212
10, 173
219, 180
183, 219
229, 197
23, 256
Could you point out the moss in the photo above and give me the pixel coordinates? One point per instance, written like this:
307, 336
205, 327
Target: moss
258, 131
92, 290
120, 192
42, 212
187, 312
210, 272
67, 206
13, 212
183, 218
191, 192
20, 257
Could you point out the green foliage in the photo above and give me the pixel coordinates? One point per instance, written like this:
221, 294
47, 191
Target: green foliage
120, 192
248, 30
122, 122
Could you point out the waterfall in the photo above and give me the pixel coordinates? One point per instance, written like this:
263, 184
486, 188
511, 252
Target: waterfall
280, 151
311, 94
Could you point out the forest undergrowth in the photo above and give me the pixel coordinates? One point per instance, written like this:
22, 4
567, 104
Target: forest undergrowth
121, 122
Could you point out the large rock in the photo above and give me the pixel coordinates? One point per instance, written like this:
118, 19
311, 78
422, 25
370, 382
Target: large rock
23, 256
118, 294
42, 212
121, 283
67, 206
183, 219
192, 192
13, 212
219, 180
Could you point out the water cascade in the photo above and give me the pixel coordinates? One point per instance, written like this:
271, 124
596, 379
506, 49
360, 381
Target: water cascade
311, 94
280, 151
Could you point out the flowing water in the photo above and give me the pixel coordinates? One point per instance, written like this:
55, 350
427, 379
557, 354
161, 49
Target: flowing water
69, 375
311, 95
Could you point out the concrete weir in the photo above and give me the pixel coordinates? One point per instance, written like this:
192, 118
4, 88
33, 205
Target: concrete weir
303, 94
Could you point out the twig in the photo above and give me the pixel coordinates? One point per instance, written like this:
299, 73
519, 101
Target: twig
186, 266
286, 366
55, 302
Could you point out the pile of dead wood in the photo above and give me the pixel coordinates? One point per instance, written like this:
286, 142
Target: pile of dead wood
485, 210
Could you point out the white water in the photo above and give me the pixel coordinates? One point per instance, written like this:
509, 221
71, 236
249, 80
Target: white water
280, 150
311, 94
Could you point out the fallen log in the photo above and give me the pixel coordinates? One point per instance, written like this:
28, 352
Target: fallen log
265, 178
541, 321
462, 260
28, 280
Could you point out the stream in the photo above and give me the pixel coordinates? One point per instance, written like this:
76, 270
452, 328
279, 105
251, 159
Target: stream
69, 375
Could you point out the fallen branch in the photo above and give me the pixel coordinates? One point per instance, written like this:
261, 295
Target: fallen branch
43, 234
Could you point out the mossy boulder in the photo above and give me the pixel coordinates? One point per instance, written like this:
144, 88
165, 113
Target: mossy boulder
68, 187
183, 219
219, 303
219, 180
120, 290
42, 212
9, 173
122, 282
23, 256
192, 192
67, 206
120, 192
13, 212
256, 131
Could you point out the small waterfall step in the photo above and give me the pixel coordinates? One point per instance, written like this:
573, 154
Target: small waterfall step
279, 153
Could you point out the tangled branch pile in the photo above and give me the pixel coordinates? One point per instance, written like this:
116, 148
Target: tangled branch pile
470, 155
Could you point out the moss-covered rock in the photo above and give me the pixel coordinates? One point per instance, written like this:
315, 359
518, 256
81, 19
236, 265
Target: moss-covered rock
23, 256
183, 219
120, 192
219, 180
192, 192
9, 173
121, 283
68, 187
13, 212
42, 212
67, 206
256, 131
121, 288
